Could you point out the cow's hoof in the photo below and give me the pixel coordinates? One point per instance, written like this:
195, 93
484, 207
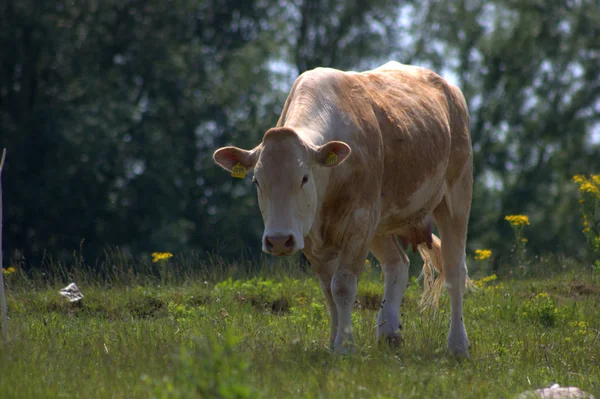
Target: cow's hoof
460, 354
460, 351
458, 342
389, 330
344, 348
393, 340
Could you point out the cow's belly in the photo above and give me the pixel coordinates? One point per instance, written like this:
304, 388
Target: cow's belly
410, 216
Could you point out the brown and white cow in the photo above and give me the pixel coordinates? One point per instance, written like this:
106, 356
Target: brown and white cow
358, 160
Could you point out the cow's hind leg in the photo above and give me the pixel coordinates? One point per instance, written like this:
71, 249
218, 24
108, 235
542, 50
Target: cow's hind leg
394, 264
452, 225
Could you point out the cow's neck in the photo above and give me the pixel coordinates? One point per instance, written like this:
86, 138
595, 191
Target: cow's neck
315, 126
314, 121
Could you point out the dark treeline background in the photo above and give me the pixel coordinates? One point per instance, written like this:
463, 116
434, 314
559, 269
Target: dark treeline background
111, 109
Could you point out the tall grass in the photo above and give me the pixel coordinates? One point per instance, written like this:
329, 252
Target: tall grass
117, 269
214, 330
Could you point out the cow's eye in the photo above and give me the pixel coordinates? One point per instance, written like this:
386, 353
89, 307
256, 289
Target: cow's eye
304, 180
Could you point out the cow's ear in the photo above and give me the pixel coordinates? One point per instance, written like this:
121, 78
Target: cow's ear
228, 157
333, 153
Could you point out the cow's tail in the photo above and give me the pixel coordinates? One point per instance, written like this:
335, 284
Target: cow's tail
432, 273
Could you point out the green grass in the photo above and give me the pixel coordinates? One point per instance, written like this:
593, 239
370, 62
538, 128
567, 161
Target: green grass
259, 337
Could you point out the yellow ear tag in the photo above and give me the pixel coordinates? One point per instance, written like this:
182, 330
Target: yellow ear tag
238, 171
332, 159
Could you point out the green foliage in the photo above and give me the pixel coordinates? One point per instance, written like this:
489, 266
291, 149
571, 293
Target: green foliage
541, 309
267, 293
183, 313
260, 289
212, 368
369, 294
111, 110
202, 342
311, 319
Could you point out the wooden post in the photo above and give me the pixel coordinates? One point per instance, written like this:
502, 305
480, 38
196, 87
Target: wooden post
2, 293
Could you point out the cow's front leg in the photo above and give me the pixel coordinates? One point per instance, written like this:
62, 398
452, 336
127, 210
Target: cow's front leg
326, 279
343, 288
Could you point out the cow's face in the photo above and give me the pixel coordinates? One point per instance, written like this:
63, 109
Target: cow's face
284, 167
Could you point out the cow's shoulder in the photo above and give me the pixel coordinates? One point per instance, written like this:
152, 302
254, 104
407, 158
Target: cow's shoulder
401, 74
396, 66
319, 77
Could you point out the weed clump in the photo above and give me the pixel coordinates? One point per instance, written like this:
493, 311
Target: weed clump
211, 368
541, 309
262, 293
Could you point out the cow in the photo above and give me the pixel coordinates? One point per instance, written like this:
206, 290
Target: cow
368, 161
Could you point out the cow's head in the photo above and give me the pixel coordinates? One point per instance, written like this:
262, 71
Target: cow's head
284, 167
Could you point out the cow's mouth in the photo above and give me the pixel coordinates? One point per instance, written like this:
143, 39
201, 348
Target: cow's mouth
283, 253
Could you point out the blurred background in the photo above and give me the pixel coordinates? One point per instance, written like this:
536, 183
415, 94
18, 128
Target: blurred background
110, 111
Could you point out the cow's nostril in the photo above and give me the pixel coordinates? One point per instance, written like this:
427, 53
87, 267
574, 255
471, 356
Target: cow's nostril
290, 242
268, 243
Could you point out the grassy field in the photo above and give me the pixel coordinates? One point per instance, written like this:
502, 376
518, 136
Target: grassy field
267, 337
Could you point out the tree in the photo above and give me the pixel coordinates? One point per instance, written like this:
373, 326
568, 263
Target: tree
113, 108
116, 107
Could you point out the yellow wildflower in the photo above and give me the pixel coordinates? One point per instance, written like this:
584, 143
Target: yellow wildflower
586, 225
580, 326
158, 256
9, 270
492, 288
483, 254
517, 220
589, 185
486, 279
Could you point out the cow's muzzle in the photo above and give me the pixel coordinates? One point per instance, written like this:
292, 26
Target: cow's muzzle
280, 245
